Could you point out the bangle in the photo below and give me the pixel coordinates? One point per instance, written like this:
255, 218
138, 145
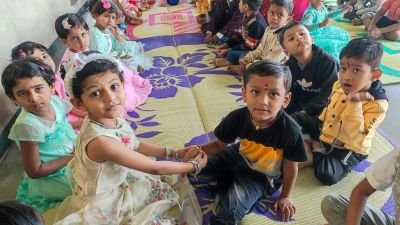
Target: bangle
171, 152
197, 167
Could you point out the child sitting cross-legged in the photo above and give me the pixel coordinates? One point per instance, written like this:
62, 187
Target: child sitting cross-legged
279, 13
356, 107
265, 157
386, 22
117, 181
248, 38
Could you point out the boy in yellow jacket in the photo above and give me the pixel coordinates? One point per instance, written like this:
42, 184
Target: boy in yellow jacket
356, 107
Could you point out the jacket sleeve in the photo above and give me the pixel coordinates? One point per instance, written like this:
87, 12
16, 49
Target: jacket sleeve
255, 34
217, 17
361, 118
327, 79
257, 53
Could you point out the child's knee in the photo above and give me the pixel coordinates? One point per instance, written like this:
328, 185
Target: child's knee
326, 176
393, 36
328, 203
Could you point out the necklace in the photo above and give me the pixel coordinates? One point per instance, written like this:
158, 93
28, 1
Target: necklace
103, 125
258, 125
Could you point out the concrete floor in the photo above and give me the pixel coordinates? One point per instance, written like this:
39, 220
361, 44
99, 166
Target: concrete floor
391, 123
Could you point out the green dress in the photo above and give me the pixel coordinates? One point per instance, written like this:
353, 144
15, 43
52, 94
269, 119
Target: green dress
331, 38
55, 139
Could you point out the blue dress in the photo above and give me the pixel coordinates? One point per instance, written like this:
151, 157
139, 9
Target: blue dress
106, 43
331, 38
55, 139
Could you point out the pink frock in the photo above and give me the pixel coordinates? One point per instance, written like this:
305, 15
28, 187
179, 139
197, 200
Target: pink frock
137, 89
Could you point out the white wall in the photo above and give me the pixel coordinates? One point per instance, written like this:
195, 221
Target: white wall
27, 20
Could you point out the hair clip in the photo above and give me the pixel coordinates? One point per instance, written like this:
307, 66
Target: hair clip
41, 67
21, 53
106, 4
65, 24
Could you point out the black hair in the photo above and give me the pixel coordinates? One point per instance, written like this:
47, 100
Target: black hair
26, 49
92, 68
73, 19
285, 28
96, 7
367, 49
253, 4
268, 67
16, 213
25, 68
287, 4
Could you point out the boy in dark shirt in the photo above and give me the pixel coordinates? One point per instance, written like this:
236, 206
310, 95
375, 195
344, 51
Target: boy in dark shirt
268, 149
248, 38
313, 70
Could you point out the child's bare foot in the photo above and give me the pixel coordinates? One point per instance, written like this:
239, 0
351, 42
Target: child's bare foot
219, 62
237, 69
356, 22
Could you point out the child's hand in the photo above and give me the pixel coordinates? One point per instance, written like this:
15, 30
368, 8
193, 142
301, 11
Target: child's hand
326, 22
222, 52
360, 96
375, 32
214, 39
286, 207
243, 62
202, 158
190, 153
207, 38
347, 8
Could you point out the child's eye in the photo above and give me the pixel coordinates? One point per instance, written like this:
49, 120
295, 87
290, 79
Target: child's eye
342, 68
274, 94
280, 15
95, 94
115, 87
38, 89
21, 94
255, 92
356, 70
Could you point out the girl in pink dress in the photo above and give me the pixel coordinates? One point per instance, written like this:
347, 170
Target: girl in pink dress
74, 33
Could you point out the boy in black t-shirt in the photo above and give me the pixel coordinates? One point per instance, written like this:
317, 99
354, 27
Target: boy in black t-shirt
268, 148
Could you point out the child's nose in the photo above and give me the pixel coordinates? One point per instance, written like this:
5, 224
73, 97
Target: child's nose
108, 96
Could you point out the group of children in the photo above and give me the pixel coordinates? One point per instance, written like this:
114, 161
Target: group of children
297, 115
242, 37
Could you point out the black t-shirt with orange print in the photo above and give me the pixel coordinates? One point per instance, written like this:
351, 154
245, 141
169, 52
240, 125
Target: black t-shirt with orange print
264, 149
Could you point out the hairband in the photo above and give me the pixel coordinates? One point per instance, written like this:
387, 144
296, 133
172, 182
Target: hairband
21, 53
106, 4
65, 24
78, 61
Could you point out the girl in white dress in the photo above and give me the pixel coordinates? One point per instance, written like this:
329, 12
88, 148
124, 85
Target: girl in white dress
116, 180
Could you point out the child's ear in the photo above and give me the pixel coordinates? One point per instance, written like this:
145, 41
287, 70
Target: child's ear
376, 74
312, 39
77, 103
286, 101
290, 18
286, 52
244, 94
52, 89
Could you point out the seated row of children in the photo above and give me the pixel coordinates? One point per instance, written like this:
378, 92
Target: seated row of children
105, 175
243, 41
106, 172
